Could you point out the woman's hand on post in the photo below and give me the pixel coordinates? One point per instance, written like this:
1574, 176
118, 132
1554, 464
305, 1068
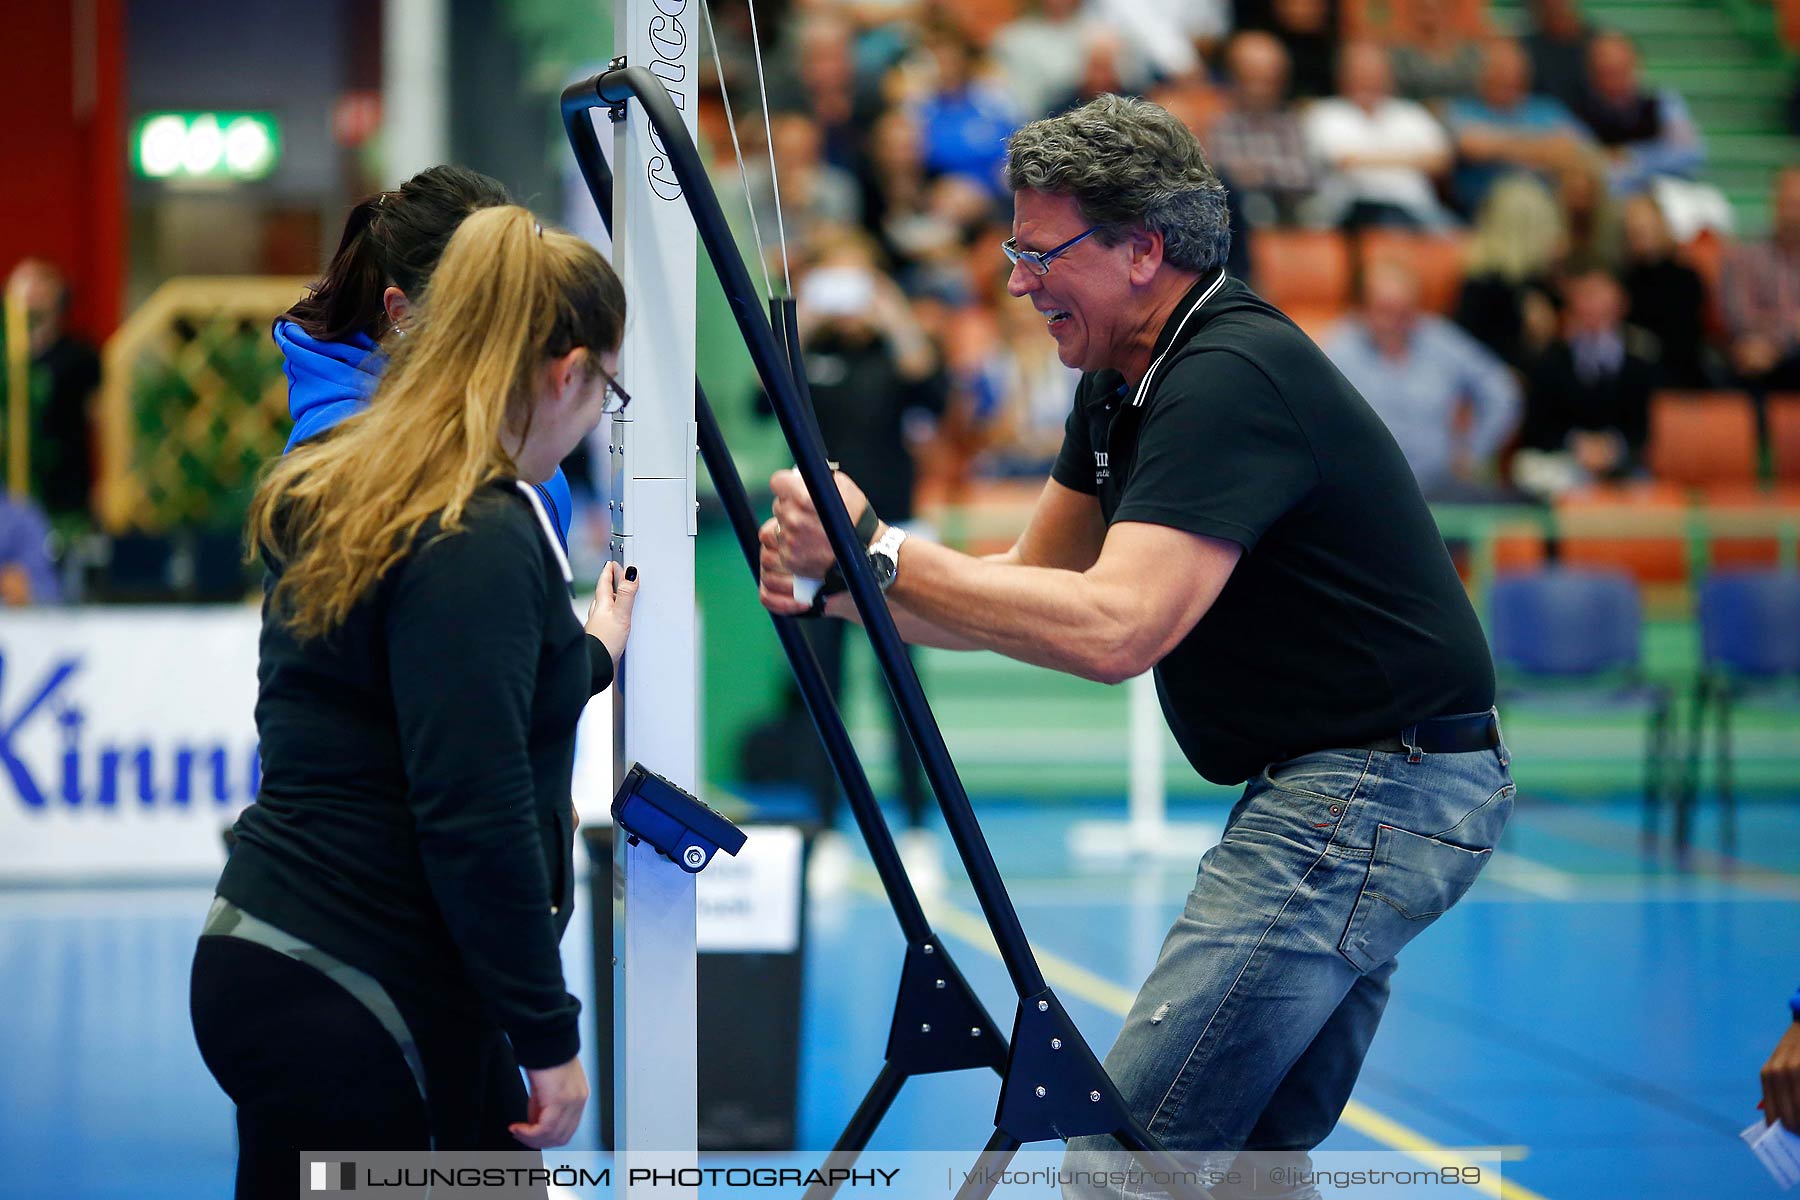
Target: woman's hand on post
609, 616
558, 1094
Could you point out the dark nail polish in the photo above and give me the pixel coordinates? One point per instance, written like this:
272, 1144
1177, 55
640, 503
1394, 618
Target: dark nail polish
631, 573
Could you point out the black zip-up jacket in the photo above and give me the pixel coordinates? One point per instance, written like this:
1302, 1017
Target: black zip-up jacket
414, 817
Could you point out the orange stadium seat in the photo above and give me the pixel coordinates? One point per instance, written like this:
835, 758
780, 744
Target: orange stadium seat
1640, 528
1519, 548
1784, 436
1763, 508
1302, 268
1316, 320
1435, 259
1392, 21
1701, 438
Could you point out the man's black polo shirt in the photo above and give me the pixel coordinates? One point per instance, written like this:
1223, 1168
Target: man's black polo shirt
1344, 620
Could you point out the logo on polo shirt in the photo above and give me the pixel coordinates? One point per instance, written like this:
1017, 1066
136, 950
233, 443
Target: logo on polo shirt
1102, 472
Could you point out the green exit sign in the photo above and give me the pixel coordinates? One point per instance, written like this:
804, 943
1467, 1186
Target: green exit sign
206, 145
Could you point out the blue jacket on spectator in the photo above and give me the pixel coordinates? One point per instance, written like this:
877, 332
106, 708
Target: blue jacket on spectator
328, 381
25, 544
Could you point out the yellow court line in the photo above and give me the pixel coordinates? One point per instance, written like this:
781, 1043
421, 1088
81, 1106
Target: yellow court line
1076, 980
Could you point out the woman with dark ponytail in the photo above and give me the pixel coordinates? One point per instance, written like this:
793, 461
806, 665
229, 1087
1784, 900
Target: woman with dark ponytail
382, 955
336, 340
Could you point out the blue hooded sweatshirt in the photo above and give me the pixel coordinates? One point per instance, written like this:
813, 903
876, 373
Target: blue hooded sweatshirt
328, 381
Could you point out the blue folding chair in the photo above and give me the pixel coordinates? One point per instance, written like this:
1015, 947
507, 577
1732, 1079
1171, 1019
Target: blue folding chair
1749, 647
1573, 638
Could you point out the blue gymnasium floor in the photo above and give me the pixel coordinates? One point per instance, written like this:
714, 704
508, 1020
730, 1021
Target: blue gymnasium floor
1598, 1014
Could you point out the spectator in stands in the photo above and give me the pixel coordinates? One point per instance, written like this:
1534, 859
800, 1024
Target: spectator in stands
27, 573
922, 224
825, 82
1646, 132
1386, 152
1592, 216
1503, 128
1436, 61
63, 377
1588, 400
882, 30
1449, 402
1171, 36
897, 193
1041, 53
813, 192
1100, 73
964, 119
1508, 296
1558, 46
1258, 143
1034, 391
871, 369
1760, 290
1308, 29
1668, 297
730, 37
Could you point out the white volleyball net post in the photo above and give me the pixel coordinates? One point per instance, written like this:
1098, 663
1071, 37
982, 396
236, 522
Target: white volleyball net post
653, 461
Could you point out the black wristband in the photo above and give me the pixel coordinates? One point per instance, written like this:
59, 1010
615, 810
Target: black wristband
834, 582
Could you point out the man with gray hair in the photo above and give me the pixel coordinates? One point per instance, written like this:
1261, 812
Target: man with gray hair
1227, 511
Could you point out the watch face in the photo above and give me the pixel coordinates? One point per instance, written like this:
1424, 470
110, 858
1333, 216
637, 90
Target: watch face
883, 566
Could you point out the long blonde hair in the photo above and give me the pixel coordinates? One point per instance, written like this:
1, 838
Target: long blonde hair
1519, 231
340, 511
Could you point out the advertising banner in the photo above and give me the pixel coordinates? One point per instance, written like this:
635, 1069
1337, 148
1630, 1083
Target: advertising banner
128, 741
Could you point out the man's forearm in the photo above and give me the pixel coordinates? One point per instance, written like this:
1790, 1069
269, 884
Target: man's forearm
915, 629
1045, 616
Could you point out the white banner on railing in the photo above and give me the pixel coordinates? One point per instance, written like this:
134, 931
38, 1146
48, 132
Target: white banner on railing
128, 740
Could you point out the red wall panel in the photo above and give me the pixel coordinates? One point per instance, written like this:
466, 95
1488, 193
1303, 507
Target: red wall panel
63, 151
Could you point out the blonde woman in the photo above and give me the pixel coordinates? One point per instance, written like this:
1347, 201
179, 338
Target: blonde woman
382, 955
1509, 293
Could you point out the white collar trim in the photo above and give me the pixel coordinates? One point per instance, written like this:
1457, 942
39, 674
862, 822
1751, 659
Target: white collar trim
1143, 387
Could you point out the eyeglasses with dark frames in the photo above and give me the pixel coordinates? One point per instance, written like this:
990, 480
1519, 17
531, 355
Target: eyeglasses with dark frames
616, 396
1039, 262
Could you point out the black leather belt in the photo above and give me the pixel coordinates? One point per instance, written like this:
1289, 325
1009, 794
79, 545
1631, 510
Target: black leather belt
1443, 735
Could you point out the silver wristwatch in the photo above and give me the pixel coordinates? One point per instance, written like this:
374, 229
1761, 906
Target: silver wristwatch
884, 556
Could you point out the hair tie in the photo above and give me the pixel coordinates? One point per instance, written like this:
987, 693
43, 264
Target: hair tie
538, 228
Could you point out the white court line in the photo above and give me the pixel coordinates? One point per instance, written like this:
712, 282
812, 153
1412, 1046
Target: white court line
1529, 875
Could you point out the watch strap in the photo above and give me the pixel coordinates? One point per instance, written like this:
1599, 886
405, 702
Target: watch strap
833, 582
867, 524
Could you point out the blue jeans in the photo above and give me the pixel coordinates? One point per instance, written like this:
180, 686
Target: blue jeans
1252, 1027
